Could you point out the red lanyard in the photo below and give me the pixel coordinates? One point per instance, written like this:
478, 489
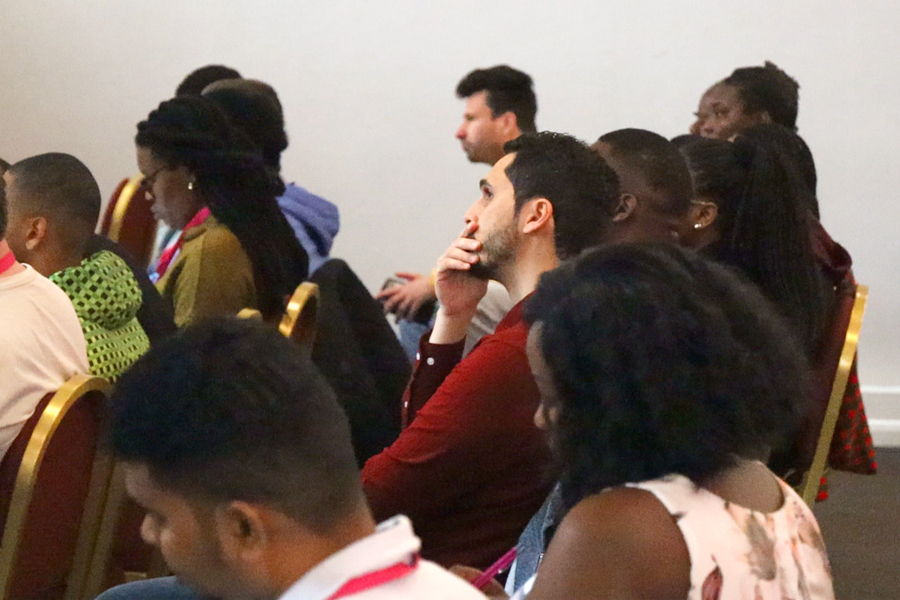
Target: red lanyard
375, 579
163, 264
6, 263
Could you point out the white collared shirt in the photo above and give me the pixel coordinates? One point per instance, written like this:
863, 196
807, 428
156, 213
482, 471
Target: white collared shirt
393, 542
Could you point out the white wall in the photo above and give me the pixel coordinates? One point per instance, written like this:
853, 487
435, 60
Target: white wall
368, 93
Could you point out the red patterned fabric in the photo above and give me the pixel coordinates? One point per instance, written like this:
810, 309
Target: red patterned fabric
851, 447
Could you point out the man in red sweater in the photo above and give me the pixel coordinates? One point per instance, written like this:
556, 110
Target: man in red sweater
470, 468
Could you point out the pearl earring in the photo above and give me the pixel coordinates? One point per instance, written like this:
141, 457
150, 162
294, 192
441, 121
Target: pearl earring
697, 226
191, 185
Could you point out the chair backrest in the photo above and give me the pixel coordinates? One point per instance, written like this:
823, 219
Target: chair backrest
300, 317
56, 498
250, 313
129, 221
810, 486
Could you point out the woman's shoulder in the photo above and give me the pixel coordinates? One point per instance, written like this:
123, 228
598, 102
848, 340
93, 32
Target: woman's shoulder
622, 541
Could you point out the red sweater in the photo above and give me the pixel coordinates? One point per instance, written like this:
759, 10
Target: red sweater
471, 468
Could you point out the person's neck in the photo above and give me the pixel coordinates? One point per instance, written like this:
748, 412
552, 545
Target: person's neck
534, 258
16, 268
53, 261
295, 558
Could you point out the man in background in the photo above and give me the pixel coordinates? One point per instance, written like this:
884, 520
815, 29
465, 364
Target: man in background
500, 105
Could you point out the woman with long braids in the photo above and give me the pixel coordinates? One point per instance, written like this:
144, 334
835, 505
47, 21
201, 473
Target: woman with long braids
754, 207
206, 178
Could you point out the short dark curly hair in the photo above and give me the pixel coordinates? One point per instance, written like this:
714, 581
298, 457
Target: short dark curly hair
767, 88
663, 362
229, 409
582, 188
508, 90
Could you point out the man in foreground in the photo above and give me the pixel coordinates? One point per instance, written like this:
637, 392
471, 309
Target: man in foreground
239, 452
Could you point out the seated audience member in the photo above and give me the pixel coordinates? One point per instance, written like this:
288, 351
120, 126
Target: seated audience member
236, 447
41, 343
500, 105
204, 177
253, 106
747, 97
470, 468
658, 425
655, 185
192, 85
758, 192
355, 348
54, 203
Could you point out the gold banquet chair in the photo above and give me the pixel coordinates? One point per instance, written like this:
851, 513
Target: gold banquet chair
129, 221
300, 317
811, 480
53, 482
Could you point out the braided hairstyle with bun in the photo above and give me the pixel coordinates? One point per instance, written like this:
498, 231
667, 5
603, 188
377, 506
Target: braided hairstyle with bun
763, 226
233, 181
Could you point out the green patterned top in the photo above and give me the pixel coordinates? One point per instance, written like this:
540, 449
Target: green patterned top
107, 298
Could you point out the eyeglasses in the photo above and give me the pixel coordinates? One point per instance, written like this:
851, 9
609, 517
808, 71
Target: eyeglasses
149, 180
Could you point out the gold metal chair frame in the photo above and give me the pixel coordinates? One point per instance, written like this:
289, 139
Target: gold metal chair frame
810, 487
301, 315
26, 479
250, 313
122, 204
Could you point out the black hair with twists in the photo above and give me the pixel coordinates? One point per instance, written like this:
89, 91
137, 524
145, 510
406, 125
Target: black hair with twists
236, 186
763, 228
660, 362
767, 88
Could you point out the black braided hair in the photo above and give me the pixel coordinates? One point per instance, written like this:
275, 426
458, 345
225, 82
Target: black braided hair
236, 186
764, 228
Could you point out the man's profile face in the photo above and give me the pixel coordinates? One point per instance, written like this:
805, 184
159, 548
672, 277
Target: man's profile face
183, 532
480, 133
495, 213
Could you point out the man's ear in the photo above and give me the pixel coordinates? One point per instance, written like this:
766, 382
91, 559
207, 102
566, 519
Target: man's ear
509, 123
625, 208
703, 213
35, 232
535, 214
241, 531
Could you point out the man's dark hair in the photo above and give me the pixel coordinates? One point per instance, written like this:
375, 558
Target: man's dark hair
662, 362
230, 409
253, 107
763, 227
769, 89
4, 166
193, 84
61, 188
508, 90
582, 188
658, 164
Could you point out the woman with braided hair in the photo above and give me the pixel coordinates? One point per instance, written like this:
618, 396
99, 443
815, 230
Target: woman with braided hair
755, 212
747, 97
207, 178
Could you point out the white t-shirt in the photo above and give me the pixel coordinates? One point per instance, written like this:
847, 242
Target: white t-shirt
394, 542
41, 347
